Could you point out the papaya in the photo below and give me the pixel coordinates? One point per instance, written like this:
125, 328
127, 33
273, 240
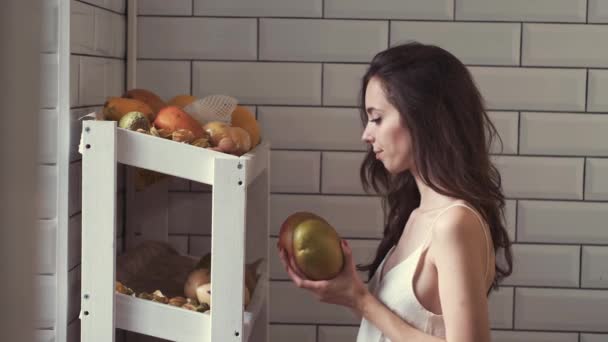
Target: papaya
181, 101
117, 107
147, 97
172, 118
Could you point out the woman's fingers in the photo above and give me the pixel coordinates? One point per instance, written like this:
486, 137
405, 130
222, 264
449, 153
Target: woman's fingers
290, 266
348, 254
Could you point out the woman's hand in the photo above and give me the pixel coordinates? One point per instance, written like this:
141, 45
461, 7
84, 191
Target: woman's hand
345, 289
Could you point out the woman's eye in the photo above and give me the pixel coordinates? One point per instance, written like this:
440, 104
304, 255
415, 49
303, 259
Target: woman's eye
376, 120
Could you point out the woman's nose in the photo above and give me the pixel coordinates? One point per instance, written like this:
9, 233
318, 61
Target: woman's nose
367, 137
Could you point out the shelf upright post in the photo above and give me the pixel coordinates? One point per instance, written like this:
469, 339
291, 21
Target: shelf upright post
98, 231
228, 249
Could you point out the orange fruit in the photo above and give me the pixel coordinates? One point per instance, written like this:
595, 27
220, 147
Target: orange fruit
181, 100
243, 118
146, 96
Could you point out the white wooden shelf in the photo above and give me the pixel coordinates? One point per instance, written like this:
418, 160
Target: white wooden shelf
102, 310
173, 323
182, 160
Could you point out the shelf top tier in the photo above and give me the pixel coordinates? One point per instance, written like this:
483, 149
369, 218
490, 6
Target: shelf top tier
170, 157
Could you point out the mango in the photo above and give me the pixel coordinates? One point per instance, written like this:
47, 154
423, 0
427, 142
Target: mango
181, 101
147, 97
314, 245
117, 107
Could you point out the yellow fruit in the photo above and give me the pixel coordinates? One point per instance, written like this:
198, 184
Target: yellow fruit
117, 107
314, 245
147, 97
217, 131
181, 101
243, 118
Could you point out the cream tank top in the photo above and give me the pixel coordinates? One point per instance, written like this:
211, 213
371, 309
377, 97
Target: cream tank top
396, 291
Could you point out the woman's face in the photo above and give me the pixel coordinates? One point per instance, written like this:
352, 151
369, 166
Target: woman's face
385, 132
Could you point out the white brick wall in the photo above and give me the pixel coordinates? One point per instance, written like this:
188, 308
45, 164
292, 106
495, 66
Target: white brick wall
47, 158
97, 71
540, 65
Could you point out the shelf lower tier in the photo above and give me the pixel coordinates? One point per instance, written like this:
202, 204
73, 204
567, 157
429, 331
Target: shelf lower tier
178, 324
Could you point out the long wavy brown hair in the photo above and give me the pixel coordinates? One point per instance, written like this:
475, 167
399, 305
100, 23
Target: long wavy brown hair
451, 136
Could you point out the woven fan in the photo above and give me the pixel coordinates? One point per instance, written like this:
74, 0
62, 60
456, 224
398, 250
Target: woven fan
212, 108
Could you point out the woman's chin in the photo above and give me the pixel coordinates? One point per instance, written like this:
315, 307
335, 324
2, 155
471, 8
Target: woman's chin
394, 170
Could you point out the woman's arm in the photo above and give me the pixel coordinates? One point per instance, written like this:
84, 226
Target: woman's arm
459, 251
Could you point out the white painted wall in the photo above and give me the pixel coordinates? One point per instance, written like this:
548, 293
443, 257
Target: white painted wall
97, 70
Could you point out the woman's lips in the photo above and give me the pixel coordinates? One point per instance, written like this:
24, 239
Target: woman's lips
378, 154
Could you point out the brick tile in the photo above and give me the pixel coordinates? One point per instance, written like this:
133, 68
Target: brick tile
553, 221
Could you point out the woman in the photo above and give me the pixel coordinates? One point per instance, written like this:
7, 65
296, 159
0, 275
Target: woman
428, 156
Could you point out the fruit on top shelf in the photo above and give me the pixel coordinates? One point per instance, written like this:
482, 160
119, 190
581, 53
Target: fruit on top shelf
314, 245
243, 118
228, 139
172, 118
117, 107
181, 101
147, 97
236, 130
134, 121
241, 140
212, 108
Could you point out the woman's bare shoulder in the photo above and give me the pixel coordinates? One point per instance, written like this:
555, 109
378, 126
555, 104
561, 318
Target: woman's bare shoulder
459, 225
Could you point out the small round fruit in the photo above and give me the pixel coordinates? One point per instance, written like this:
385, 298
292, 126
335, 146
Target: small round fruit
203, 294
195, 279
134, 121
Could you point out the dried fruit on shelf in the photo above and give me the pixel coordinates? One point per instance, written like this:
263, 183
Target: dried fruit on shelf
182, 135
145, 295
160, 299
177, 301
160, 132
202, 142
203, 307
189, 306
121, 288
